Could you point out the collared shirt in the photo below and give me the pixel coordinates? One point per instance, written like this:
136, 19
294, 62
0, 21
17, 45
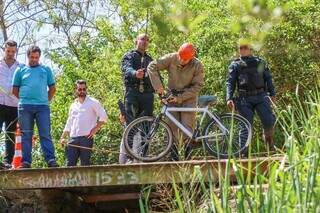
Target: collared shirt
6, 75
33, 83
83, 117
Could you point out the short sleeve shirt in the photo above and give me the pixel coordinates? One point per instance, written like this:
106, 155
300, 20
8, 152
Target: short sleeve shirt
33, 83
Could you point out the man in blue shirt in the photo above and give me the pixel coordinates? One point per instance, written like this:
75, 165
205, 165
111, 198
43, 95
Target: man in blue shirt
30, 84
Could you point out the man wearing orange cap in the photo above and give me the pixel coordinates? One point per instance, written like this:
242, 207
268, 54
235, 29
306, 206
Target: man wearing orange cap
186, 78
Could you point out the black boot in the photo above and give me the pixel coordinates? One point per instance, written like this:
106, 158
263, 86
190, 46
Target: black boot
268, 139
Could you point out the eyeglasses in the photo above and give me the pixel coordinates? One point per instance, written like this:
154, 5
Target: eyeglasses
82, 89
243, 47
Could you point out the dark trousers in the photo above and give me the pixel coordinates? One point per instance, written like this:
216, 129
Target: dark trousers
8, 116
261, 104
74, 153
138, 104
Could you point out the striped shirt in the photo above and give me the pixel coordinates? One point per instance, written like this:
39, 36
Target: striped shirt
6, 75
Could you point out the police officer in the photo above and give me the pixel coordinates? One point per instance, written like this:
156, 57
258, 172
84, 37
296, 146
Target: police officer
138, 89
250, 75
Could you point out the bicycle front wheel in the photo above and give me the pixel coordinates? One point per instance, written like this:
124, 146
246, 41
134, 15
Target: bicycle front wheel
147, 140
231, 139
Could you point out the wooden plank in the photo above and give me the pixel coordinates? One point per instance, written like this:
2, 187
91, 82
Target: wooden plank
120, 175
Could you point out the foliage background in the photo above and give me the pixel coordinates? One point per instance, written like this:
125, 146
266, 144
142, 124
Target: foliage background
285, 33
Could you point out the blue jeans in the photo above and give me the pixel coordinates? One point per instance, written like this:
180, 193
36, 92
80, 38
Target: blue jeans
28, 114
73, 153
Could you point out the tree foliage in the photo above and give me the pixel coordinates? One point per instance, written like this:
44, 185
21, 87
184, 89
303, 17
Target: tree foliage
285, 33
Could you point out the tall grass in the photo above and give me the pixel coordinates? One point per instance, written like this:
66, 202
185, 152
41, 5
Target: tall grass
289, 186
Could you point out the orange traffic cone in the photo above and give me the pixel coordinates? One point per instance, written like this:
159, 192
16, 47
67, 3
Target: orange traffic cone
16, 163
34, 140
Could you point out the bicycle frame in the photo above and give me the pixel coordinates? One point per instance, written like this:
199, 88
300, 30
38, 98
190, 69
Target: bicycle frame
166, 111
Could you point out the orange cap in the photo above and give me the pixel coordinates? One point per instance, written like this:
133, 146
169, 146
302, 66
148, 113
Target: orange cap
187, 51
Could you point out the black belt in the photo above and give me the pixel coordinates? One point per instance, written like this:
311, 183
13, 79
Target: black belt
251, 93
136, 89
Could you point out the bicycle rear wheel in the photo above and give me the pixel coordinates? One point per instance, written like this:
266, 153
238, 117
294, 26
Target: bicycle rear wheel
233, 142
147, 140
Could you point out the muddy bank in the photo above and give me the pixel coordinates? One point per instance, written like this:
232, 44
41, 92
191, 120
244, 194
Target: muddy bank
32, 201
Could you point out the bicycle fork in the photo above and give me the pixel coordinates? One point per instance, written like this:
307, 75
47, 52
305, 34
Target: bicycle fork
154, 127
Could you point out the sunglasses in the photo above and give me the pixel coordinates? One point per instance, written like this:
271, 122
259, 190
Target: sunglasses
82, 89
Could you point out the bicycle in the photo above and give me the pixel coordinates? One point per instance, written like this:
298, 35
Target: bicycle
149, 139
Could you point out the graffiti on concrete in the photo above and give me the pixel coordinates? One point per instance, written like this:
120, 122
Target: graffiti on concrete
62, 179
107, 178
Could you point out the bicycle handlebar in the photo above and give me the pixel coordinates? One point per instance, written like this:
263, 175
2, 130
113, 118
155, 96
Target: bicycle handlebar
166, 97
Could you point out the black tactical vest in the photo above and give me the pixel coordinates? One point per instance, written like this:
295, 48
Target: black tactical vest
250, 74
139, 61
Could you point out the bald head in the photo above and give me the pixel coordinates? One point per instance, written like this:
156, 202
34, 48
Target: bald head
142, 42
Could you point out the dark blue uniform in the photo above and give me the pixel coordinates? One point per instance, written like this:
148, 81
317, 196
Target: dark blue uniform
139, 92
251, 78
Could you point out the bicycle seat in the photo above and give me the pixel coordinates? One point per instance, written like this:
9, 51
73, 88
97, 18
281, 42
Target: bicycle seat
206, 100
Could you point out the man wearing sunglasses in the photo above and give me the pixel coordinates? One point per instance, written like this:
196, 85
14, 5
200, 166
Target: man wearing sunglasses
250, 76
86, 116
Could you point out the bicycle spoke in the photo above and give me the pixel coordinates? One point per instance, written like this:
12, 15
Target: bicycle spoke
140, 143
235, 140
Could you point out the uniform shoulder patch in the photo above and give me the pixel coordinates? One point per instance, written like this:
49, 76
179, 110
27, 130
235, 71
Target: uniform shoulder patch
240, 62
259, 59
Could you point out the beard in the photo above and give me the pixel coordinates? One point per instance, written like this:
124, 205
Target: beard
10, 57
82, 95
33, 64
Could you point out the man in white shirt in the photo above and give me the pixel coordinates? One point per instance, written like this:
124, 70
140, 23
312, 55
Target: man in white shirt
8, 103
86, 116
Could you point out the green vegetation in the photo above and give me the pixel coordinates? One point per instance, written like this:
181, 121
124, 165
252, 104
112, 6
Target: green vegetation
292, 185
284, 33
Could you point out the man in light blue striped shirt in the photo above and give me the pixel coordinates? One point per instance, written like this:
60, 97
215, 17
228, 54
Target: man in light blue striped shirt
8, 103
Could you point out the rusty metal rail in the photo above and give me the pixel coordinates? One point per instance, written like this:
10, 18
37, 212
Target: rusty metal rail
127, 175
